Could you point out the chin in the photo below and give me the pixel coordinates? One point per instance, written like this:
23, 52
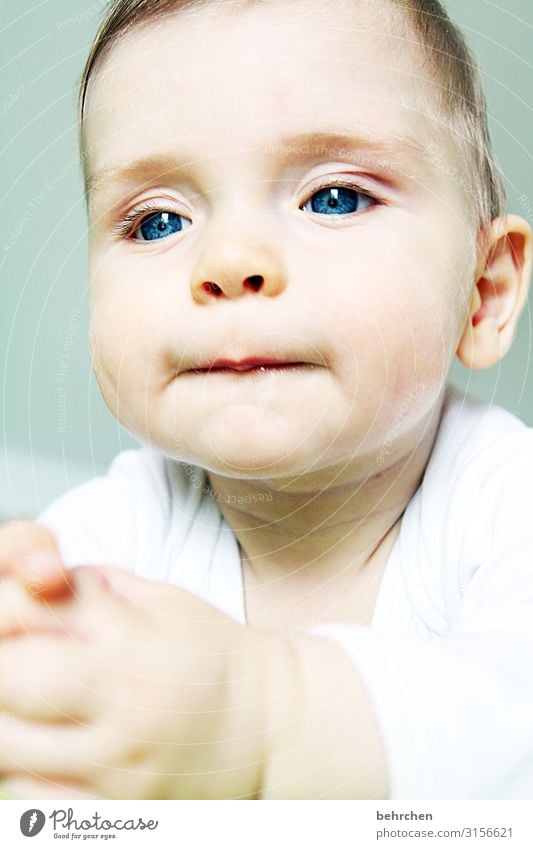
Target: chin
261, 453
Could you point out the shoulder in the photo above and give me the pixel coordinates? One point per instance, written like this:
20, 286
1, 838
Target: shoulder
469, 523
110, 517
478, 443
127, 478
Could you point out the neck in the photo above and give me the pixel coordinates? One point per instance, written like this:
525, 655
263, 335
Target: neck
327, 523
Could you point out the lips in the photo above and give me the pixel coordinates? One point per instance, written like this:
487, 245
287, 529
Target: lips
250, 363
262, 363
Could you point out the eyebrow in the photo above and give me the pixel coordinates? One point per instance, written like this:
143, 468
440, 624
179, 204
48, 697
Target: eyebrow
398, 148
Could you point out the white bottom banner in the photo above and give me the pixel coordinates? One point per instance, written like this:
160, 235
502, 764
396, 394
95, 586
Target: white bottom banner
268, 825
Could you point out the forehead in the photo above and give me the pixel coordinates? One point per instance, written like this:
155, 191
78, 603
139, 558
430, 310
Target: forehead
230, 78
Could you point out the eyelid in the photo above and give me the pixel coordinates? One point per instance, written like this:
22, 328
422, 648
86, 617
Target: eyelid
344, 181
130, 221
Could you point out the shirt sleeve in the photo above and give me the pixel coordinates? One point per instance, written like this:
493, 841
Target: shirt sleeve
455, 710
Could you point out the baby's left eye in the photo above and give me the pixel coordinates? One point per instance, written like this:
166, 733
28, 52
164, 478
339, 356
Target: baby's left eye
159, 225
337, 200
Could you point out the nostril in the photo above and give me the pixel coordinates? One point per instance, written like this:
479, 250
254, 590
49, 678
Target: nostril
254, 282
211, 288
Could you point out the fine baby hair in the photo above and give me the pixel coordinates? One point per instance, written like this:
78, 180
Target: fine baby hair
312, 576
459, 101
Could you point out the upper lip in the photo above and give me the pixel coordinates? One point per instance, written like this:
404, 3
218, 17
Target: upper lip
246, 363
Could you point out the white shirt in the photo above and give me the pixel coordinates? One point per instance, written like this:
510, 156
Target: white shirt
448, 657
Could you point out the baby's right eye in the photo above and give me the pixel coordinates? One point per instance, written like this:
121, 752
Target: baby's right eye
159, 225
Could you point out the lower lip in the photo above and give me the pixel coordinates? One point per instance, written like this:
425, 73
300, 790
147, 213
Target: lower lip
266, 369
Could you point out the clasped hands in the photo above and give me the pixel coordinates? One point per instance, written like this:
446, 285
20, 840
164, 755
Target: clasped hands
115, 687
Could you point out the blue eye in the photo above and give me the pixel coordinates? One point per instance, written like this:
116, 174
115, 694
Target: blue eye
159, 225
337, 200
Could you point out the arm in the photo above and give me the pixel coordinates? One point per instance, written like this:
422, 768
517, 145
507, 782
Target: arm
324, 740
222, 711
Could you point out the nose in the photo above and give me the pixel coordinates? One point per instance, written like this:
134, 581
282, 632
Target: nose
231, 267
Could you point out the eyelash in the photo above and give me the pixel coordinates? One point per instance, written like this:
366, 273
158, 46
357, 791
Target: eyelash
133, 220
344, 184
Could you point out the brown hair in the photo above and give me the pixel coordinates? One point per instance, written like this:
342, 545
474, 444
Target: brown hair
460, 99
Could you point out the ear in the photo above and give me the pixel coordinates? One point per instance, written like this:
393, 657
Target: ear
500, 291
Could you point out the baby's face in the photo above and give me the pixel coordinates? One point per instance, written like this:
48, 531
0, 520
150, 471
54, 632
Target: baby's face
266, 187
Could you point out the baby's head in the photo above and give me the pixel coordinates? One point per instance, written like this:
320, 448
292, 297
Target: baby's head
293, 181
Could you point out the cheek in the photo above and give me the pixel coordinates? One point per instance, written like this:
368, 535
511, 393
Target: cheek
398, 308
125, 335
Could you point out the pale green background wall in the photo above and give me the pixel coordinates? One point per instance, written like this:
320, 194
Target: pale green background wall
52, 421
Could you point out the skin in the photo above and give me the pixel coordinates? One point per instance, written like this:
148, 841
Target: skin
379, 326
376, 304
130, 689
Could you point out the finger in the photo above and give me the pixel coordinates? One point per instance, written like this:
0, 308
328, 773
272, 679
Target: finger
47, 750
22, 787
51, 676
122, 584
20, 613
88, 759
29, 552
48, 677
118, 589
168, 603
154, 597
113, 595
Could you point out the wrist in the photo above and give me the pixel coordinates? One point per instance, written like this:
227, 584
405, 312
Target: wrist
258, 691
320, 735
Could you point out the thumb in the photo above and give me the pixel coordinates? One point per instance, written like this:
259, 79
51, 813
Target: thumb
29, 553
131, 587
120, 586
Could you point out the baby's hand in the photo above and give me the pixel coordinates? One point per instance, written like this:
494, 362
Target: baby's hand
32, 580
135, 696
29, 554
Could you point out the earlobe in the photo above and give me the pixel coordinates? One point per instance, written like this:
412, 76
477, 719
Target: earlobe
499, 294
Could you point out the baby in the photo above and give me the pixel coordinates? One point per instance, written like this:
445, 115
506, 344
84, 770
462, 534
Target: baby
315, 578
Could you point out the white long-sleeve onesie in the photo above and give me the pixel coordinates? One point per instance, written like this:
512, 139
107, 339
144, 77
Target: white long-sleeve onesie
448, 658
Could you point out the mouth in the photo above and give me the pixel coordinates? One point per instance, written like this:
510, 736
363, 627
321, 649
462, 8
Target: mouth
260, 365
